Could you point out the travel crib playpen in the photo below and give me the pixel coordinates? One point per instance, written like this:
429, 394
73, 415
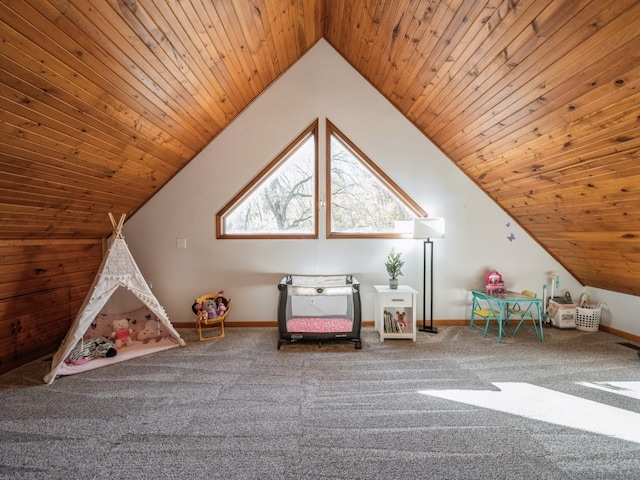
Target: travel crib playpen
319, 308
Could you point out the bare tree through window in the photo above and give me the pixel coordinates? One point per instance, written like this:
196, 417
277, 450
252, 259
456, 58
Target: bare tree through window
282, 200
364, 201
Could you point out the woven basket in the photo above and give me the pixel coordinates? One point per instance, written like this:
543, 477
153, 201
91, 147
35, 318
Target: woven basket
588, 318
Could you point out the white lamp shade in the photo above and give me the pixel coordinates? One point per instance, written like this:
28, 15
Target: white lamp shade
431, 227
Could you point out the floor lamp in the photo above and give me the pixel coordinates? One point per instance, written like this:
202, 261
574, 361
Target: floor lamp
426, 229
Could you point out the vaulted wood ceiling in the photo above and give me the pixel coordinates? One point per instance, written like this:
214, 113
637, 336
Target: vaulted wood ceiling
103, 101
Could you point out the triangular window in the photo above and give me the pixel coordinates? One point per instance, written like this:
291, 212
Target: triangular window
363, 200
280, 202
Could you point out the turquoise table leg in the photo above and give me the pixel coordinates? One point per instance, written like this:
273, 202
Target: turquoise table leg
541, 336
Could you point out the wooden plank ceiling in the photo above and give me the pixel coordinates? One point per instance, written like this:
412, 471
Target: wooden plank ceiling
103, 101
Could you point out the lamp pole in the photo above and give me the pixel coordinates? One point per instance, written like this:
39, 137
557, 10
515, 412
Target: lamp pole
430, 328
427, 228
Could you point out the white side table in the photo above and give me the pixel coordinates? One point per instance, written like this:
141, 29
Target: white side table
395, 315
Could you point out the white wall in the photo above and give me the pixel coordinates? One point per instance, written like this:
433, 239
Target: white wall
322, 85
619, 311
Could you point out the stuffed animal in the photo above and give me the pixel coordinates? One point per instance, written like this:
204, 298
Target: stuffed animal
86, 350
401, 320
221, 303
210, 306
153, 329
121, 332
203, 315
222, 307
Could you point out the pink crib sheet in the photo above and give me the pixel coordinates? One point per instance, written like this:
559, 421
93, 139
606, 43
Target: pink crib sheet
319, 324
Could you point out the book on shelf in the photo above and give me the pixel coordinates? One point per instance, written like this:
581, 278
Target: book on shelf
388, 328
394, 323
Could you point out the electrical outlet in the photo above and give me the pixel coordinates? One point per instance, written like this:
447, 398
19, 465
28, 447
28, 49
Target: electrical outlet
181, 242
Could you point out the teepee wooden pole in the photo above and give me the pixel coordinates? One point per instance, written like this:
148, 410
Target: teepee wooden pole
117, 228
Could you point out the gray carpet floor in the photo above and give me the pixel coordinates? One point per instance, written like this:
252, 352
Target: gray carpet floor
238, 408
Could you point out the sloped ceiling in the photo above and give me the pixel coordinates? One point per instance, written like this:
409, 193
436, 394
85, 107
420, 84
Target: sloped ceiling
103, 101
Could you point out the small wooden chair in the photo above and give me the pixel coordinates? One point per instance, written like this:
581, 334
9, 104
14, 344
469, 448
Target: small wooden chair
516, 311
206, 325
487, 308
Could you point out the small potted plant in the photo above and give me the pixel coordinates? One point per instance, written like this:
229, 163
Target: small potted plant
394, 267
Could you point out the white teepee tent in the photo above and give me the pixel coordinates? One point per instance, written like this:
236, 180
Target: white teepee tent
118, 269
